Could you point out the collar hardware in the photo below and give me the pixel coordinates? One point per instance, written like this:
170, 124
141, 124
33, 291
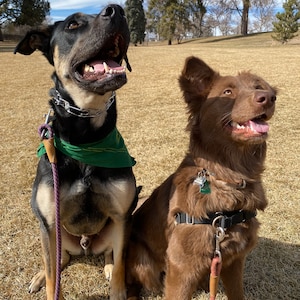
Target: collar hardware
225, 219
82, 113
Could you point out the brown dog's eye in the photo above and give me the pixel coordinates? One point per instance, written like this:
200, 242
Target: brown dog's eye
73, 25
227, 92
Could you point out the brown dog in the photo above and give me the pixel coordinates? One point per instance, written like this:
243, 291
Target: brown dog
207, 207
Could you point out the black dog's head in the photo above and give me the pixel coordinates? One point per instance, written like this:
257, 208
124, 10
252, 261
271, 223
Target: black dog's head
86, 50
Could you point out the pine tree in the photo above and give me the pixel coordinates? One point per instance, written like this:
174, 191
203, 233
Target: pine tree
169, 17
287, 26
136, 20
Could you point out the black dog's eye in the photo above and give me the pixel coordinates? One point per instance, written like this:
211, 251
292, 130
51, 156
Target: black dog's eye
73, 25
227, 92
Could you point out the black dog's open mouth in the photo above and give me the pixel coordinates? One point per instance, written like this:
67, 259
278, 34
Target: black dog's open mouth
100, 69
105, 64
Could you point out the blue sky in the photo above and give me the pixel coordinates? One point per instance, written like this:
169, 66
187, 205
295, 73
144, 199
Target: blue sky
61, 9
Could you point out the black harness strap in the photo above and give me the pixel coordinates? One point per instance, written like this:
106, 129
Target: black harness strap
225, 219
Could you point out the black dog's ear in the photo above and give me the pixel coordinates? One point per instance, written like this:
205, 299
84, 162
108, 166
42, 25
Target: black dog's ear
36, 40
128, 66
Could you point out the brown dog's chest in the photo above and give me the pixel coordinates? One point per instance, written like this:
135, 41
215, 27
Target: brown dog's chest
222, 196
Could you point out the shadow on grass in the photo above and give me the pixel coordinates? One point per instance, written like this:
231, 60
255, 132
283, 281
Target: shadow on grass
273, 269
272, 272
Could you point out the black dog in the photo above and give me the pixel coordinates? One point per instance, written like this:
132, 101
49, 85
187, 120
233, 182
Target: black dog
97, 192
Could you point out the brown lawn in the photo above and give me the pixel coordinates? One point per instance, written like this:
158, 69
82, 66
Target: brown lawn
152, 120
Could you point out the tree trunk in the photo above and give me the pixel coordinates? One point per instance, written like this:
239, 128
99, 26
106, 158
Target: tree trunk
1, 35
245, 14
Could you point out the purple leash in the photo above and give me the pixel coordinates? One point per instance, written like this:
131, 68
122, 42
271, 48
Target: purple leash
46, 133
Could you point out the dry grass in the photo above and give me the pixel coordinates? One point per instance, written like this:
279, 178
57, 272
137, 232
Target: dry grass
152, 120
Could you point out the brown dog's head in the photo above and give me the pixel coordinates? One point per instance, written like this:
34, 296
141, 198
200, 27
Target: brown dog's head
226, 108
86, 50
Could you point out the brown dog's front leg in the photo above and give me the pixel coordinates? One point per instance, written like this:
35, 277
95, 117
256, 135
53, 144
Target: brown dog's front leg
232, 278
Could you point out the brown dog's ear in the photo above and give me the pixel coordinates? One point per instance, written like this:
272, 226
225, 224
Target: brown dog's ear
36, 40
196, 79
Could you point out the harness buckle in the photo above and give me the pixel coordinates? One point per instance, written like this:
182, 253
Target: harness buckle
219, 221
190, 220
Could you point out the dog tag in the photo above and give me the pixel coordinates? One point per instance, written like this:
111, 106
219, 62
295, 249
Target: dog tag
202, 182
205, 189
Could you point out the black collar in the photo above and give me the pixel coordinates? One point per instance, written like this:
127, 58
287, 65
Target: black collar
225, 219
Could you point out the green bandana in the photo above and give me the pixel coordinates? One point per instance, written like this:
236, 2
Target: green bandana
110, 152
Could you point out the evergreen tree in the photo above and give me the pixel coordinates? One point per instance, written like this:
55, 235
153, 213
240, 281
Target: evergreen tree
33, 12
136, 20
169, 17
287, 26
24, 12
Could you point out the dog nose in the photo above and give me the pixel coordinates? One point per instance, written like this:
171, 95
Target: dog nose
264, 98
112, 10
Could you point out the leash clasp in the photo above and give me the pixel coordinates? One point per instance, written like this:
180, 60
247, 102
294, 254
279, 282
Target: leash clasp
219, 223
44, 133
47, 136
216, 264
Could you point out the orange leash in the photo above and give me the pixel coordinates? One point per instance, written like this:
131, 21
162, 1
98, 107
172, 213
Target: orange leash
215, 271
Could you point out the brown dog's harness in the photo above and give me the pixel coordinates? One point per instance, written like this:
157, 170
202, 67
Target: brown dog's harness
221, 221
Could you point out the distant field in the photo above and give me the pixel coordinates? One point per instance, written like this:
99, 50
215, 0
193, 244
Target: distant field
152, 120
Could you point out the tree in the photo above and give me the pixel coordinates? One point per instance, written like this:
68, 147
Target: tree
241, 8
221, 17
33, 12
4, 4
263, 15
24, 12
197, 10
287, 25
136, 20
170, 18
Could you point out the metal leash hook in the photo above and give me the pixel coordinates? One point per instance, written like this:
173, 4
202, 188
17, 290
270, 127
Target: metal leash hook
47, 136
216, 264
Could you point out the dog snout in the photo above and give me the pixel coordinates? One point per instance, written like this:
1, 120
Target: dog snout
112, 10
264, 98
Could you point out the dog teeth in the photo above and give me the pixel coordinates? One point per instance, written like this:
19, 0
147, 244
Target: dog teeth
113, 71
106, 68
88, 69
237, 125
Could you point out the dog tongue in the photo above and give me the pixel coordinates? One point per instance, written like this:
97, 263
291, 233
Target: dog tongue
258, 126
99, 66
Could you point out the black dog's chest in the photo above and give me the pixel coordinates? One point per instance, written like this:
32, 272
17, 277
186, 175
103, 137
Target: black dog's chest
85, 206
89, 196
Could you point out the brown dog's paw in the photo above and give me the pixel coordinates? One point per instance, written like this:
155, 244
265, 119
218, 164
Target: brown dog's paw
37, 282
